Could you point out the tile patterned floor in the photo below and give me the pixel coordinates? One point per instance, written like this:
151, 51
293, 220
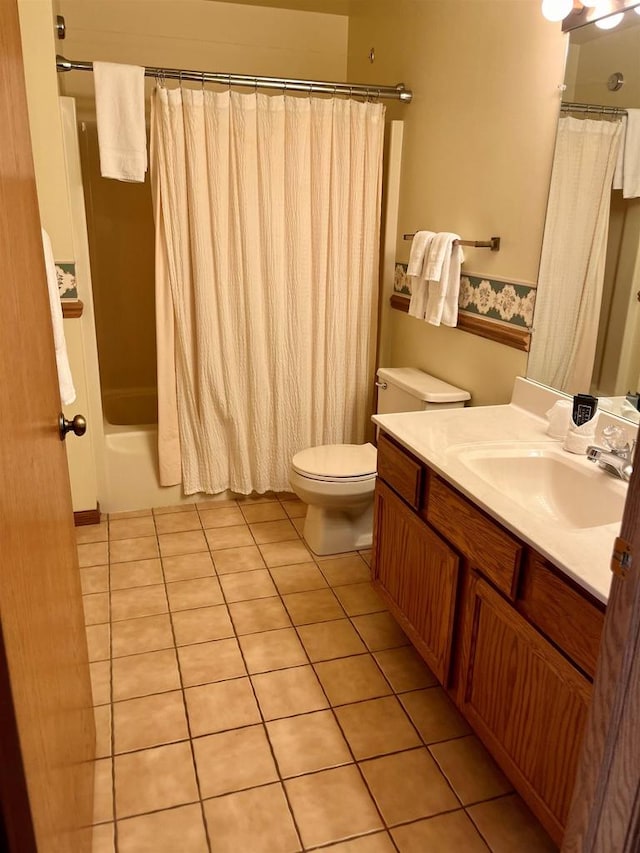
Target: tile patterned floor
250, 698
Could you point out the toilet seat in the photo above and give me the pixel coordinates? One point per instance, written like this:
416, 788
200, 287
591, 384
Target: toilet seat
336, 463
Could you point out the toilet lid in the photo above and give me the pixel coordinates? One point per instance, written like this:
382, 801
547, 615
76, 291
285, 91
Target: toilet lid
337, 462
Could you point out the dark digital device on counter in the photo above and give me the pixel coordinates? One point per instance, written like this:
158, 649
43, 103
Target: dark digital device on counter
584, 408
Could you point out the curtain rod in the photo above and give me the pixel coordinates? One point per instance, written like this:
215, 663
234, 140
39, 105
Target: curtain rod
571, 107
398, 92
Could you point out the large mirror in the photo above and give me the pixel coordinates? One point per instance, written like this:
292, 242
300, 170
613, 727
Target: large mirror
598, 335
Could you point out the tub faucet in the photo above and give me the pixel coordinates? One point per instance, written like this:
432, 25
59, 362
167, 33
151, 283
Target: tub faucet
616, 457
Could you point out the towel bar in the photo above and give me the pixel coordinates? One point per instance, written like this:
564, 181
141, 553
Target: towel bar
493, 243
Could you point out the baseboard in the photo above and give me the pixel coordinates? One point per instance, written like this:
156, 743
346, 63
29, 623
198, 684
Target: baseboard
87, 516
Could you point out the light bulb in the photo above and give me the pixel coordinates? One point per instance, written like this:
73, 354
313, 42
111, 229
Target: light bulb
556, 10
636, 9
589, 3
610, 22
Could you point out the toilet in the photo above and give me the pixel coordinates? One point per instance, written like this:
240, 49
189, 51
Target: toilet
337, 481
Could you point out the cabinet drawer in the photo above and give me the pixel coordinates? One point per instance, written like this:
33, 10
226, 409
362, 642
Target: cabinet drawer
566, 616
400, 470
488, 547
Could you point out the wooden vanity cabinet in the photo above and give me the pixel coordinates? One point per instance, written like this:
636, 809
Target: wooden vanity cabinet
513, 640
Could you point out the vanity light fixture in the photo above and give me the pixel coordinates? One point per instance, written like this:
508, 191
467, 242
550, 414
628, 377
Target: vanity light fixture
556, 10
610, 22
601, 12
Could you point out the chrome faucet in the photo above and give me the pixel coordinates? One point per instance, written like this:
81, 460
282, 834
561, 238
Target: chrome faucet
616, 456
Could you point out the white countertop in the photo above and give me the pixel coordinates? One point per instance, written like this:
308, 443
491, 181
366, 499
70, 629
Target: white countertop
583, 554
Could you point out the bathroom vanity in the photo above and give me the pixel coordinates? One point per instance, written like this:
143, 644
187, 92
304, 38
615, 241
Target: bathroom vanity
504, 600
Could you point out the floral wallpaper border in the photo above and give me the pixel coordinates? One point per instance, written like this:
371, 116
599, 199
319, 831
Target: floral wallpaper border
67, 285
499, 300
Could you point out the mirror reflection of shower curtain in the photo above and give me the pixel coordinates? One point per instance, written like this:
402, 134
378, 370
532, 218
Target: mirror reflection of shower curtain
267, 228
573, 254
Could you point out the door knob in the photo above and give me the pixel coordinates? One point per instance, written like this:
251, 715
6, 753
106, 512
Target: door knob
78, 425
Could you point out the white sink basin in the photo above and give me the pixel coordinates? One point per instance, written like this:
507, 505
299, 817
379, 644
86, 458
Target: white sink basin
547, 482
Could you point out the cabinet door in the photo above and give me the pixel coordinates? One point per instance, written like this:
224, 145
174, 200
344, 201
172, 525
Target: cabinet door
526, 701
418, 575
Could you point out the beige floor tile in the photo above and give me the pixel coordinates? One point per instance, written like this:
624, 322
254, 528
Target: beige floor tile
133, 513
178, 522
434, 714
262, 614
154, 779
301, 577
379, 842
286, 496
285, 553
94, 579
404, 669
149, 721
100, 673
215, 503
442, 834
143, 548
288, 691
272, 650
294, 508
359, 598
174, 544
471, 771
202, 625
234, 760
229, 516
180, 829
102, 790
333, 639
174, 508
380, 631
236, 536
332, 805
102, 715
103, 839
318, 605
131, 528
96, 608
146, 634
298, 523
136, 573
256, 513
377, 727
139, 601
142, 675
186, 566
233, 560
99, 642
93, 554
345, 570
508, 825
367, 556
408, 786
352, 679
308, 743
258, 821
194, 593
88, 533
244, 586
221, 706
266, 532
204, 663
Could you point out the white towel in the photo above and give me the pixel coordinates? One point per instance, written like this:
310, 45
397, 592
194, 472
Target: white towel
618, 175
65, 380
122, 137
444, 262
631, 177
415, 270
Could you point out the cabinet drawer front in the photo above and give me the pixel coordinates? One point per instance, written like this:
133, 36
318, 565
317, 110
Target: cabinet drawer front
565, 616
487, 547
401, 471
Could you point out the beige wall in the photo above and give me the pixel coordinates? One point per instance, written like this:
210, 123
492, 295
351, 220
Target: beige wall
478, 144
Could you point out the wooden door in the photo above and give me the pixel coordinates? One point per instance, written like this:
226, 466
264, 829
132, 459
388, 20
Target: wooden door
47, 739
526, 701
418, 575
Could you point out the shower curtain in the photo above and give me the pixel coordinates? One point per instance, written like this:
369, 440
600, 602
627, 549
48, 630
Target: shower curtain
267, 240
573, 255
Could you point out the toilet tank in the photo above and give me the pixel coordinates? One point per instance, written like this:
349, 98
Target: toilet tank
407, 389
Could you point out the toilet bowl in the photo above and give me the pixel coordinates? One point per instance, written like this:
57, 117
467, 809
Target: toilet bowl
337, 481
